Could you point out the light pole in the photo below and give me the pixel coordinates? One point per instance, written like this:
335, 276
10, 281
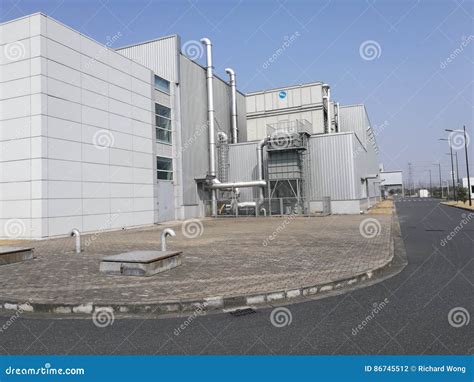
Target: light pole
457, 169
452, 167
467, 162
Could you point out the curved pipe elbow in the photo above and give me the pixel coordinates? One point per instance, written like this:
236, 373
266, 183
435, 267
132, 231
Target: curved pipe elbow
166, 232
231, 73
206, 41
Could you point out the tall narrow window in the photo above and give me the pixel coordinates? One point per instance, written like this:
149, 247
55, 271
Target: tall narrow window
164, 168
162, 84
163, 123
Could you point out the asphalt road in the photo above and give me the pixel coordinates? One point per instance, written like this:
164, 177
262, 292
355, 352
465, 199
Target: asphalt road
409, 312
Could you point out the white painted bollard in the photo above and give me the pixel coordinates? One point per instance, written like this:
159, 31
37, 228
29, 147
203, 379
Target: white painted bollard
166, 232
75, 232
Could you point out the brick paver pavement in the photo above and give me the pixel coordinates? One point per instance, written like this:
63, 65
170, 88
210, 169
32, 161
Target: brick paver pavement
228, 257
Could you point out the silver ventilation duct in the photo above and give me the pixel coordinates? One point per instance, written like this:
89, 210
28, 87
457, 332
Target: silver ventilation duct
210, 118
338, 120
214, 183
260, 146
232, 82
328, 103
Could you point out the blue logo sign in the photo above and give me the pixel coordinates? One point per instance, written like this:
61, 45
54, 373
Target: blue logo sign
282, 94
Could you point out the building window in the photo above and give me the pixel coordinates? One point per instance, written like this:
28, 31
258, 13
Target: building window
164, 168
162, 84
163, 123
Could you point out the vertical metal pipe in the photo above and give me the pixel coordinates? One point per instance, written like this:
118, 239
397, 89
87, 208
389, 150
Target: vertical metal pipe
328, 101
452, 170
260, 146
166, 232
210, 117
75, 232
440, 183
467, 167
457, 169
232, 82
338, 120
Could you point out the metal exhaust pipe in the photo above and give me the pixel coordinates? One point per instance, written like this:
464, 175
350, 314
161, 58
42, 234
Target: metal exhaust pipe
166, 232
260, 146
328, 100
232, 81
338, 119
210, 117
75, 233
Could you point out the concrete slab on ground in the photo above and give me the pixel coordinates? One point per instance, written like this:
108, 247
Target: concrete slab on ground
225, 261
140, 263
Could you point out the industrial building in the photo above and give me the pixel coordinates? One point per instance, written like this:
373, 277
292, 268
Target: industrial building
392, 181
95, 138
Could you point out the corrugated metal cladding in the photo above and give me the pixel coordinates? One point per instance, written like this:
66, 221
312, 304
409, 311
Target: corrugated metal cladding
360, 167
194, 132
299, 102
159, 55
354, 118
243, 167
332, 167
296, 96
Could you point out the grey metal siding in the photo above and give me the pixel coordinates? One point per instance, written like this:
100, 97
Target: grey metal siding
354, 118
332, 167
241, 117
194, 130
159, 55
243, 167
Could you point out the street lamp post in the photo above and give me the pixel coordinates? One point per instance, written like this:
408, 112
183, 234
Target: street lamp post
467, 161
457, 169
469, 191
452, 167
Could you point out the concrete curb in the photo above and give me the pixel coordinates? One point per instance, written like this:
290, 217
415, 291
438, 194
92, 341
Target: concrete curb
217, 302
460, 207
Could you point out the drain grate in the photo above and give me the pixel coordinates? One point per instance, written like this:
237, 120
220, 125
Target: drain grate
435, 230
243, 312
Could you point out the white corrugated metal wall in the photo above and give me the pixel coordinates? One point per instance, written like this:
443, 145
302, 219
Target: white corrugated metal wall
194, 123
332, 167
159, 55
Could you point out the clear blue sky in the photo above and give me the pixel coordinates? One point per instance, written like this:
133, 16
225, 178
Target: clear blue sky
410, 95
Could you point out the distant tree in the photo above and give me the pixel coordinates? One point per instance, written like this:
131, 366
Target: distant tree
462, 194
